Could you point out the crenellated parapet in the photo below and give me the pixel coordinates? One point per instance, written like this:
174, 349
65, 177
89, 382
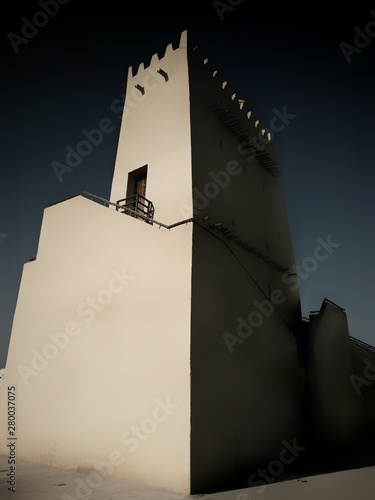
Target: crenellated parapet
255, 141
234, 113
156, 61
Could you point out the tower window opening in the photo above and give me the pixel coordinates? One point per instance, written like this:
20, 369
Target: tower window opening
136, 204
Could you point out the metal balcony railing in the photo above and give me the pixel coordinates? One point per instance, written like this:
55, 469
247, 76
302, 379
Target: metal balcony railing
137, 206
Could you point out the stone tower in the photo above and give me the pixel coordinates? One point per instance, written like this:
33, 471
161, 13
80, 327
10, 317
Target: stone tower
154, 333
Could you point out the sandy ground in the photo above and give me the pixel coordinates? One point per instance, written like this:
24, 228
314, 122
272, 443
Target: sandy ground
40, 482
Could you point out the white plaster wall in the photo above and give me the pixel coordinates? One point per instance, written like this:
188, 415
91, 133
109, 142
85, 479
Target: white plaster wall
136, 351
155, 130
113, 366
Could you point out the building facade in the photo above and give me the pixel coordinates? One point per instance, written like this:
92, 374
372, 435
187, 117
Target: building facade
156, 334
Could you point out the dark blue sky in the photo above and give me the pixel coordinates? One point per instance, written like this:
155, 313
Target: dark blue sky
68, 74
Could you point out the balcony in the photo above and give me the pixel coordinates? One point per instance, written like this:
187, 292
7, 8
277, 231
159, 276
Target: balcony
137, 206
